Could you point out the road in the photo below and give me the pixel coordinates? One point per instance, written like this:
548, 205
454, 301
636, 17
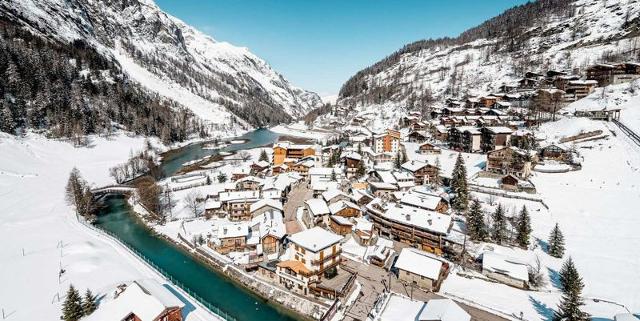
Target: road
295, 199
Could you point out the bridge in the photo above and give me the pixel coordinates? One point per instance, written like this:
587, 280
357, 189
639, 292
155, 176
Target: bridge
635, 138
112, 189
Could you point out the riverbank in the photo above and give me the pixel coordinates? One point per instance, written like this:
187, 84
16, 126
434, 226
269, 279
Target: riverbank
297, 308
39, 231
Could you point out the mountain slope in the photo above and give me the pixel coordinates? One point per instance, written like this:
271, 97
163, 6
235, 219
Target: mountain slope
214, 79
556, 34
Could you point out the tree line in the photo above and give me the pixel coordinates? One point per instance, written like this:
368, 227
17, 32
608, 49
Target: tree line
69, 90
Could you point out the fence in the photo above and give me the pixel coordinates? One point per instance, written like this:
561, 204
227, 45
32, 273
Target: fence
198, 299
502, 194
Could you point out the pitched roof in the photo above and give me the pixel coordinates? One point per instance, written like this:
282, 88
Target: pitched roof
498, 263
443, 310
419, 262
147, 299
315, 239
265, 202
317, 206
340, 205
233, 230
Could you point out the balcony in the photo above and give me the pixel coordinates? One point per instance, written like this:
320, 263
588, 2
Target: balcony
327, 258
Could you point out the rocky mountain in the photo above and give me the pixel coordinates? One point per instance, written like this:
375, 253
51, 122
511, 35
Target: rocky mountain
220, 83
537, 36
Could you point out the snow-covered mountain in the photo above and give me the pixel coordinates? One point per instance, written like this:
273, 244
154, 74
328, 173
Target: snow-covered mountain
216, 80
538, 36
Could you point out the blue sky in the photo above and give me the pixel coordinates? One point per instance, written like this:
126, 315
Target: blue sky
318, 45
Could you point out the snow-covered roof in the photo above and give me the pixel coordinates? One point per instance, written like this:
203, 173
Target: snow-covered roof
147, 299
322, 171
420, 200
317, 206
381, 185
498, 263
500, 130
363, 224
423, 219
233, 230
386, 177
328, 195
211, 205
443, 310
419, 262
315, 239
414, 165
265, 202
270, 223
399, 308
352, 155
340, 205
341, 220
238, 195
625, 317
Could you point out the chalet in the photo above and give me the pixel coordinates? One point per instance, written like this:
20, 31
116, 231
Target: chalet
303, 167
362, 197
351, 162
239, 173
419, 126
417, 136
421, 268
380, 189
495, 138
608, 74
319, 186
287, 150
265, 205
315, 212
440, 133
345, 209
388, 142
509, 182
249, 183
212, 207
314, 251
578, 89
549, 100
428, 149
528, 83
411, 225
363, 231
141, 300
237, 203
270, 228
335, 195
324, 174
505, 270
443, 310
472, 103
562, 82
453, 111
404, 179
422, 172
232, 238
556, 152
465, 138
509, 160
259, 168
340, 225
488, 101
402, 308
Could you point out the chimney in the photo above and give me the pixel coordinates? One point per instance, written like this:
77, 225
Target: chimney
408, 217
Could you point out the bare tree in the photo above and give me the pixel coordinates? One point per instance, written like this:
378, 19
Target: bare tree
149, 193
192, 202
244, 155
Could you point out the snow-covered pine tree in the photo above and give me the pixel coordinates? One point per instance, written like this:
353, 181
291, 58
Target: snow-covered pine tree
556, 242
499, 225
523, 228
476, 226
72, 306
437, 180
263, 156
222, 177
89, 303
398, 160
6, 120
570, 305
459, 185
360, 171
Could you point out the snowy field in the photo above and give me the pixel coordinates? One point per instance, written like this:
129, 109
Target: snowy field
35, 218
597, 210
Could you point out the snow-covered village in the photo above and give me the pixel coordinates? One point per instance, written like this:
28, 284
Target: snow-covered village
149, 172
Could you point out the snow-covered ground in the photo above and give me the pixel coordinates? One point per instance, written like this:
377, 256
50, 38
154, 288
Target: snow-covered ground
596, 209
34, 218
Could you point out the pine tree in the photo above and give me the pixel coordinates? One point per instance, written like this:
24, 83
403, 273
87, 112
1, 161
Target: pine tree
570, 305
398, 160
88, 303
222, 177
459, 185
334, 178
556, 242
72, 306
6, 120
476, 226
263, 156
75, 191
499, 225
523, 228
437, 180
